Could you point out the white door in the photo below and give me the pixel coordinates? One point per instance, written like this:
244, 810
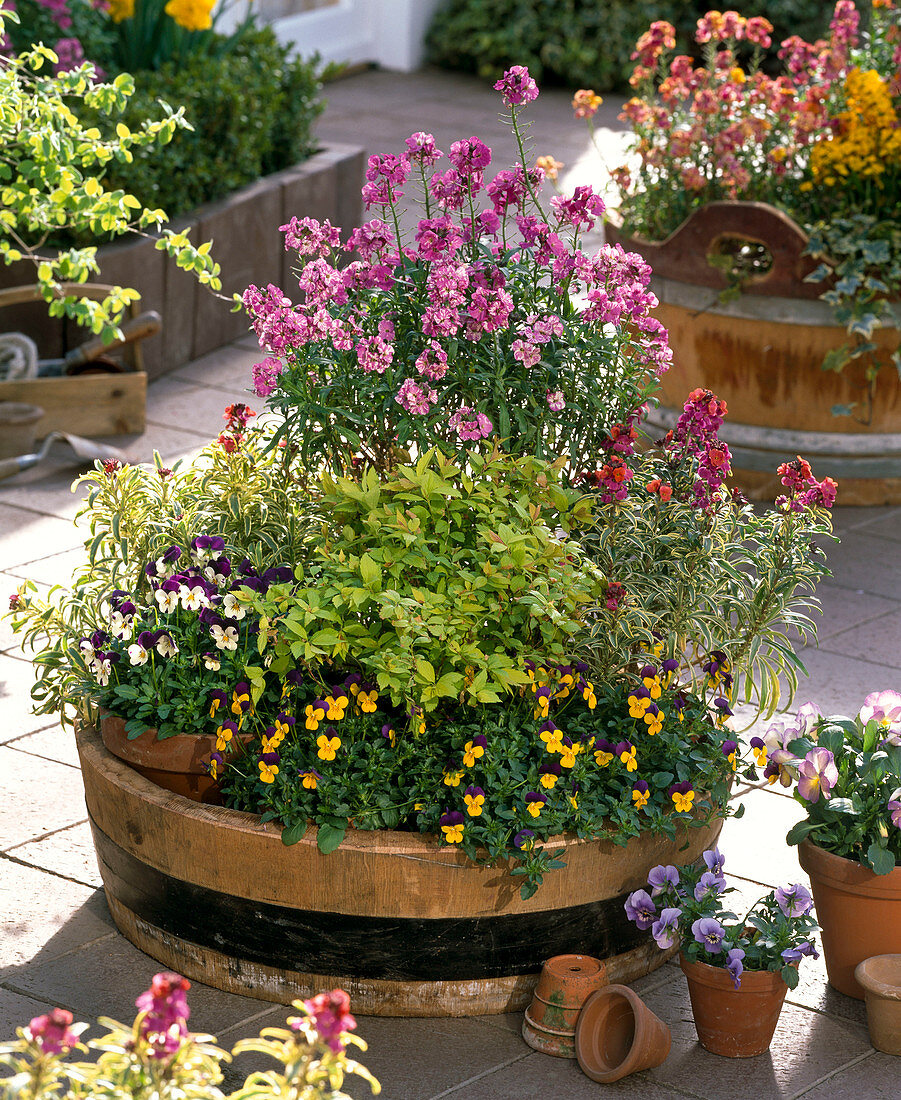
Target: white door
388, 32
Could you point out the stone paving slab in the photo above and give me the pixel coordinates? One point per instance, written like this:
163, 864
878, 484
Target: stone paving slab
45, 916
30, 809
68, 853
53, 743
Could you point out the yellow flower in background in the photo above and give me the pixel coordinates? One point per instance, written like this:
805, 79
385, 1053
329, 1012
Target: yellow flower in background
193, 15
868, 139
121, 9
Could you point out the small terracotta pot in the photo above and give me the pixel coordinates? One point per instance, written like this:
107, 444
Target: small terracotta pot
564, 984
859, 913
176, 763
617, 1034
880, 978
736, 1023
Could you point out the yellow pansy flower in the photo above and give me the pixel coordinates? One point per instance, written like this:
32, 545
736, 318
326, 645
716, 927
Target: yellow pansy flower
328, 746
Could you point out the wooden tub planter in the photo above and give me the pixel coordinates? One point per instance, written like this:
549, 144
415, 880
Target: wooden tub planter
407, 926
762, 354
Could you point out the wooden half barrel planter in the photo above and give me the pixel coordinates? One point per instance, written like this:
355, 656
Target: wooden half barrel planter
762, 354
407, 926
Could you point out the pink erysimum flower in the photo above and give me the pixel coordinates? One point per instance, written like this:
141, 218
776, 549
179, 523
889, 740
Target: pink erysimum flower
555, 400
330, 1016
53, 1032
165, 1008
517, 86
421, 148
265, 376
817, 775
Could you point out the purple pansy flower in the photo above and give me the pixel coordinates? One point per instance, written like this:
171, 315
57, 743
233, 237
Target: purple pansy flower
641, 909
734, 964
793, 955
709, 883
661, 878
709, 933
665, 930
794, 901
714, 860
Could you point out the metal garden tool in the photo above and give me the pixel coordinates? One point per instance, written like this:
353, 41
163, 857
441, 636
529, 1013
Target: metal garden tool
87, 449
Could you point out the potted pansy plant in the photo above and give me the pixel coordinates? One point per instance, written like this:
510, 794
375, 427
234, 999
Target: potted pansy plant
846, 774
739, 968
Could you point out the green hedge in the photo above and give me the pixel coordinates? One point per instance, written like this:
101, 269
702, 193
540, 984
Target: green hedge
583, 43
252, 111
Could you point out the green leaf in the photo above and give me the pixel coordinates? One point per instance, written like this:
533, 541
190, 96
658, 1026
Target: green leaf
291, 834
790, 976
879, 859
329, 837
800, 830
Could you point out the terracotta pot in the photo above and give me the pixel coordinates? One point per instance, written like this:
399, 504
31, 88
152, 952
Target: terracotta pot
762, 353
617, 1034
736, 1023
859, 913
564, 984
407, 925
880, 977
176, 763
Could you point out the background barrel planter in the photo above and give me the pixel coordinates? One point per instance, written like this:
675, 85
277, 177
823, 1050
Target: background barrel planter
762, 354
407, 926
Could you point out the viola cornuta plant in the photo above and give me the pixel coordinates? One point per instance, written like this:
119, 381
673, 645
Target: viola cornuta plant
847, 776
687, 906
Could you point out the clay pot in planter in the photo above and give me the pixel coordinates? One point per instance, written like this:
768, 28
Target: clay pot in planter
176, 764
563, 986
617, 1034
408, 926
736, 1023
880, 977
858, 911
762, 354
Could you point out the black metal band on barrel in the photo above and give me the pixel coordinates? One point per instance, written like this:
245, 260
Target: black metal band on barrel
387, 948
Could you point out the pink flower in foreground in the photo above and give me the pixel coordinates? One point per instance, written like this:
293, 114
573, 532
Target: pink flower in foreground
165, 1005
52, 1031
469, 427
818, 775
265, 376
330, 1016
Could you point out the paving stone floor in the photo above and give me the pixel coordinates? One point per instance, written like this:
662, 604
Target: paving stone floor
59, 945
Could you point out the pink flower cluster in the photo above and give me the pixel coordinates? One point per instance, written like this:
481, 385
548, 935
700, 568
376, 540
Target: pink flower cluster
804, 491
470, 426
166, 1006
612, 479
491, 285
696, 435
330, 1016
721, 130
52, 1032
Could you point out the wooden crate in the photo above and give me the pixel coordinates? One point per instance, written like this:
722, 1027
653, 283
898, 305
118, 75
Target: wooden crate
85, 404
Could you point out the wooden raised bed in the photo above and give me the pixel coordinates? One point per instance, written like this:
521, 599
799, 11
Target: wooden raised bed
762, 355
246, 243
407, 926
